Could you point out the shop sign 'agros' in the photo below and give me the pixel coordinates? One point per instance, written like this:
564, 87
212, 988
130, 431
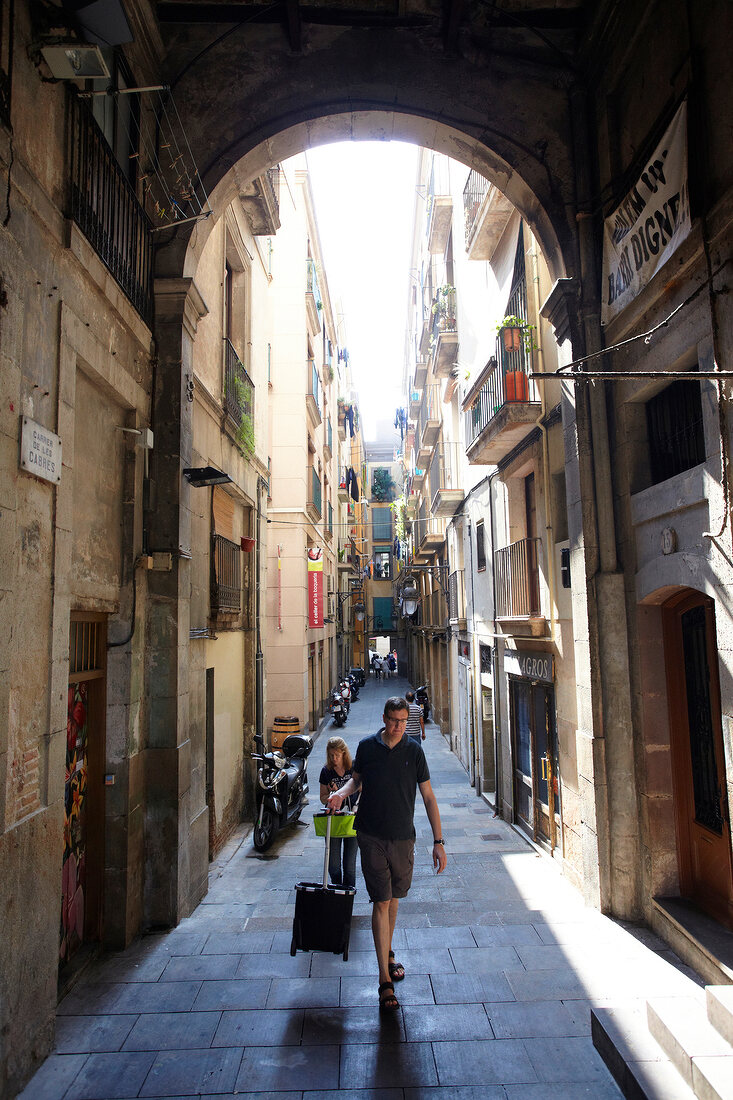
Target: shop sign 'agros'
529, 665
40, 451
652, 221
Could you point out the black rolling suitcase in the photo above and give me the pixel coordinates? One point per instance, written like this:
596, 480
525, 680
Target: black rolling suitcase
322, 920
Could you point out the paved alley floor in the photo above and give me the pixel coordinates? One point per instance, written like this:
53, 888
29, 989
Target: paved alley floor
503, 964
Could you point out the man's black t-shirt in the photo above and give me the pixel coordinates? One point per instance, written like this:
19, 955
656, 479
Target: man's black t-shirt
389, 780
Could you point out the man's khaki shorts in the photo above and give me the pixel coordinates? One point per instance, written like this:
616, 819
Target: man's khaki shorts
386, 866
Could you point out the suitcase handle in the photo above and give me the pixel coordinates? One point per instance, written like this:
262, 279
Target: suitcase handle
327, 851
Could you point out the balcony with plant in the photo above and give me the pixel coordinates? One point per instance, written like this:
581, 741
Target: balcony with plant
444, 332
239, 399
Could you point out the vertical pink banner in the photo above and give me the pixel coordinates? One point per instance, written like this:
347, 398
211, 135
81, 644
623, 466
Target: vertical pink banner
315, 587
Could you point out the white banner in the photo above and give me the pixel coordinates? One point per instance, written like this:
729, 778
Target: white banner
646, 228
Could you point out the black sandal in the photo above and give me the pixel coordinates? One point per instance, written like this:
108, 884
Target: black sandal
388, 1002
393, 967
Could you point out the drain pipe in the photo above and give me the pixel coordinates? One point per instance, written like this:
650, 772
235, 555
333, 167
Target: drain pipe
497, 693
259, 656
545, 451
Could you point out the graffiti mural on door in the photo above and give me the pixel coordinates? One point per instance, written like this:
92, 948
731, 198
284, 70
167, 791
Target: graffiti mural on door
75, 792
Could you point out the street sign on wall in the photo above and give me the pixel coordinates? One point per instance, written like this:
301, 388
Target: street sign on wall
40, 451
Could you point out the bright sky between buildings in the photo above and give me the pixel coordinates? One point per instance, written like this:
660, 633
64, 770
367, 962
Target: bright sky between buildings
364, 195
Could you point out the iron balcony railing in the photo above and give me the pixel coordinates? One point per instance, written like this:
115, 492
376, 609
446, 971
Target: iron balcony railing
226, 576
474, 194
444, 471
239, 389
445, 310
311, 284
271, 179
329, 435
507, 384
426, 526
457, 594
315, 491
314, 390
330, 518
105, 207
517, 574
430, 412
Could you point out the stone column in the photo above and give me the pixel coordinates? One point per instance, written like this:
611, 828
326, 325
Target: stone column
604, 739
176, 814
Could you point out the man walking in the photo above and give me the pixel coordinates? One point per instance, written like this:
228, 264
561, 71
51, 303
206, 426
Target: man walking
415, 720
388, 769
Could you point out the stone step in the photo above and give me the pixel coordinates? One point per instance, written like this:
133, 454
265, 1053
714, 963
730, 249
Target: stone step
639, 1065
699, 1053
720, 1009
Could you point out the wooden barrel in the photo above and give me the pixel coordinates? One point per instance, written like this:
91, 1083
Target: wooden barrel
282, 727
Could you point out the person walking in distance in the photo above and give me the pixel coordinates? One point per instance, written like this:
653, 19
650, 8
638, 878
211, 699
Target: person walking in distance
415, 720
334, 775
389, 768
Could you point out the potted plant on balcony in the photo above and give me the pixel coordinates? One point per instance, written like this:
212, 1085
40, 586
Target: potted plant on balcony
444, 305
516, 333
383, 486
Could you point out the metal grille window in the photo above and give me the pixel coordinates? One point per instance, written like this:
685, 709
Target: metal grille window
226, 582
86, 648
480, 547
675, 430
474, 193
485, 657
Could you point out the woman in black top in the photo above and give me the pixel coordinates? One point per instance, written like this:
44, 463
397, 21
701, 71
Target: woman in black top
337, 772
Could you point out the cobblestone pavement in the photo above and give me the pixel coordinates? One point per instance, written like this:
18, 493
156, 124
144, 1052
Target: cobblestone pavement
503, 964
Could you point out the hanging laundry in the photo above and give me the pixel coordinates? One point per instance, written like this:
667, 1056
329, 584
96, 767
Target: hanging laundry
349, 419
352, 484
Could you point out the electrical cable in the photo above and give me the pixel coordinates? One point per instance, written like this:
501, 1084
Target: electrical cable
568, 372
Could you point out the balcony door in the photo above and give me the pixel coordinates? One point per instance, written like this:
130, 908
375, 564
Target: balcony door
698, 764
533, 574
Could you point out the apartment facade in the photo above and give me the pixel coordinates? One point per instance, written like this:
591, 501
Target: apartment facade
300, 647
493, 637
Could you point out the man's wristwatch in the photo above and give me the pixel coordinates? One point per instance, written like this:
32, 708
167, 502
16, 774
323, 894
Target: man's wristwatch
441, 841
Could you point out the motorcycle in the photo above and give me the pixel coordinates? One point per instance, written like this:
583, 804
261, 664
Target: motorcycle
421, 697
282, 786
337, 708
354, 685
358, 672
344, 689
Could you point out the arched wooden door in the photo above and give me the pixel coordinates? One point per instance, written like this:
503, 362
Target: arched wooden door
698, 765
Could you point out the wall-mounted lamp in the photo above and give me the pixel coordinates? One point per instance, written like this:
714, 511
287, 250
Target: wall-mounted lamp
359, 612
74, 60
198, 476
410, 598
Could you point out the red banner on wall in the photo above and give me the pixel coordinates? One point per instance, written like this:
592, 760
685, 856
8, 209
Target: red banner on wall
315, 587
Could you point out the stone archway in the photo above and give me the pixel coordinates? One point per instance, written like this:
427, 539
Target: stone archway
539, 181
250, 95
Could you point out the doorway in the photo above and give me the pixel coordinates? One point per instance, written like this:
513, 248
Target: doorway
696, 745
535, 761
82, 869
